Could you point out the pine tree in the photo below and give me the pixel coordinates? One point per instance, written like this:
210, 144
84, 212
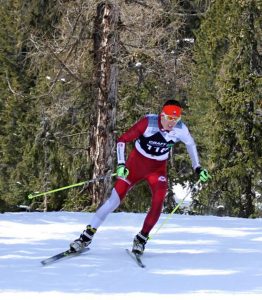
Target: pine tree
226, 93
14, 104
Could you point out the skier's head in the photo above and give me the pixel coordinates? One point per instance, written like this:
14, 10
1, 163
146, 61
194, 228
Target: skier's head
170, 114
172, 110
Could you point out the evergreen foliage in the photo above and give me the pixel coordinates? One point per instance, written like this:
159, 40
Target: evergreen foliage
226, 92
48, 107
14, 102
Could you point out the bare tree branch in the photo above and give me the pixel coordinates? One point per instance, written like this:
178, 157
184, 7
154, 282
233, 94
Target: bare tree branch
11, 89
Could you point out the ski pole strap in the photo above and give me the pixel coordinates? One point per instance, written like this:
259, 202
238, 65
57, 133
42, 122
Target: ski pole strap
175, 209
37, 194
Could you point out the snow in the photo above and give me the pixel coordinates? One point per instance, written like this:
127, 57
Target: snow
183, 193
190, 257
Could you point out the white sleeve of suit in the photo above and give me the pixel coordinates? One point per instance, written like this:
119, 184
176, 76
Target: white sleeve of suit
188, 140
120, 150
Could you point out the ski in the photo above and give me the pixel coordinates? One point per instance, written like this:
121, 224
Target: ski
65, 254
136, 257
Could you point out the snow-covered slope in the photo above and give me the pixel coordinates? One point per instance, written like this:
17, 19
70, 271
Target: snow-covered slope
191, 257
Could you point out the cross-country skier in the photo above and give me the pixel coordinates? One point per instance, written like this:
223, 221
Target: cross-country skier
154, 135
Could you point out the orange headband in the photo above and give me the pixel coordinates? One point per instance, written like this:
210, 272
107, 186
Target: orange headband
172, 110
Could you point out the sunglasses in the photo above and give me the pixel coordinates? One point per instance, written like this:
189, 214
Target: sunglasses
170, 118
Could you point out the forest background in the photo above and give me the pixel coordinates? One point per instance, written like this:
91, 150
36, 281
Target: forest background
76, 74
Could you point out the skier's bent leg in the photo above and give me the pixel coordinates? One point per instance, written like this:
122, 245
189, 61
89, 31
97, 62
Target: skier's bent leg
86, 237
155, 210
109, 206
158, 188
117, 195
158, 185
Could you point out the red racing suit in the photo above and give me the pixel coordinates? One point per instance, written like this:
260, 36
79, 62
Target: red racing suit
148, 160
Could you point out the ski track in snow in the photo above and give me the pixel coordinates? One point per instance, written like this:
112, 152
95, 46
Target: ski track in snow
191, 257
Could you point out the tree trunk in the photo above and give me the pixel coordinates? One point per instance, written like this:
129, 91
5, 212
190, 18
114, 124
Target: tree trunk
102, 149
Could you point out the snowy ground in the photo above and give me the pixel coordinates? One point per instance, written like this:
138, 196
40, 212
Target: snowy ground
191, 257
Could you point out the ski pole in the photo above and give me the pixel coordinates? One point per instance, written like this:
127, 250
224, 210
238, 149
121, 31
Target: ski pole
176, 208
37, 194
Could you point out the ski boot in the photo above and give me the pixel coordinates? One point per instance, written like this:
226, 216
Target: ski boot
84, 240
139, 243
